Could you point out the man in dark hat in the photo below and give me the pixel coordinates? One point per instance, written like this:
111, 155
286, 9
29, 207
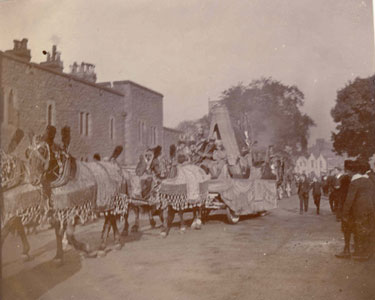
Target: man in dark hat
347, 226
359, 203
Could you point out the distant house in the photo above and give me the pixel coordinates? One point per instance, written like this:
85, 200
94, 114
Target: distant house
319, 161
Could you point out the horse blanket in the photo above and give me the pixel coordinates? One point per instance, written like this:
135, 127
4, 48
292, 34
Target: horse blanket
187, 190
96, 186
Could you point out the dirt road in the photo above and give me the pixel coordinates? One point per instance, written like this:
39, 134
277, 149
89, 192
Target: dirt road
282, 255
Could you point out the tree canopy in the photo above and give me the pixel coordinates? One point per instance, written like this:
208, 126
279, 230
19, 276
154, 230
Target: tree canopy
270, 112
354, 114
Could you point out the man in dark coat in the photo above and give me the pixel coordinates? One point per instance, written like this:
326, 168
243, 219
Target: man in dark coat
303, 194
371, 175
347, 227
331, 182
341, 193
316, 187
359, 203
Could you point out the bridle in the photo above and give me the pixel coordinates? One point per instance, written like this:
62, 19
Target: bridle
35, 147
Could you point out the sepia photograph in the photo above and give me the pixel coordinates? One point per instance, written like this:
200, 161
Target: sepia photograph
187, 150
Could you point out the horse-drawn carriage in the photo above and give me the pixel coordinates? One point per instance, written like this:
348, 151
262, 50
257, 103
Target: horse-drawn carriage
78, 190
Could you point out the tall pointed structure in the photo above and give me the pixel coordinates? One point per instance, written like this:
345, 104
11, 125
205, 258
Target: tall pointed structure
221, 127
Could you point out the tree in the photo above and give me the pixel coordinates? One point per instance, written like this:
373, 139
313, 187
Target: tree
271, 112
354, 114
190, 127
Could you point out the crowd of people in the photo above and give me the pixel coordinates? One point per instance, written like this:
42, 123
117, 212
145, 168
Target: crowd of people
351, 194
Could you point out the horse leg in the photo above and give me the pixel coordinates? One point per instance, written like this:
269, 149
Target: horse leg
59, 245
197, 218
182, 221
125, 231
105, 231
14, 224
70, 229
116, 234
151, 216
166, 215
135, 227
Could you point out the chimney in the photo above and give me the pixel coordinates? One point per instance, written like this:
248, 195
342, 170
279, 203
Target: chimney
83, 71
53, 61
20, 50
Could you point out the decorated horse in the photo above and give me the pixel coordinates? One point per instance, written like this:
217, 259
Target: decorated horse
186, 191
62, 191
142, 188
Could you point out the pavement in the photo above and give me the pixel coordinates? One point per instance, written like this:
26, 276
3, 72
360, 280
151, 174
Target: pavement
282, 255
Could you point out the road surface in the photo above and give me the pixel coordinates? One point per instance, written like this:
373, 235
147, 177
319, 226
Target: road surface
282, 255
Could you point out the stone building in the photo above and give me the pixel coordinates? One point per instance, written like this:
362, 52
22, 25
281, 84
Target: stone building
100, 116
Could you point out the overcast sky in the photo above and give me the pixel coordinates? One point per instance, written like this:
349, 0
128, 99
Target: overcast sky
192, 50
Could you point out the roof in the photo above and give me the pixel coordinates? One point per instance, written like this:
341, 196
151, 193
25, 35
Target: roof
137, 85
69, 76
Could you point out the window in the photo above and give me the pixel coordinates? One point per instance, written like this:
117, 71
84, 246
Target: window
49, 115
153, 135
312, 164
111, 129
87, 124
81, 116
142, 137
84, 123
12, 112
321, 164
140, 131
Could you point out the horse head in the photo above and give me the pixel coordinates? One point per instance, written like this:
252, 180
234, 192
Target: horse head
38, 157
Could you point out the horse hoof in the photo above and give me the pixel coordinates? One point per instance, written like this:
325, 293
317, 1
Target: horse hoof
198, 224
163, 234
101, 253
92, 254
87, 248
183, 229
118, 246
102, 246
25, 257
58, 261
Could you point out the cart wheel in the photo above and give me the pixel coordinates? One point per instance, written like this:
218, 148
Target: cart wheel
232, 217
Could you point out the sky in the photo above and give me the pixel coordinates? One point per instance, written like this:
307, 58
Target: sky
193, 50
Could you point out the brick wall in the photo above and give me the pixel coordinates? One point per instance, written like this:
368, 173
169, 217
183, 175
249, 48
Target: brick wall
144, 121
34, 88
171, 136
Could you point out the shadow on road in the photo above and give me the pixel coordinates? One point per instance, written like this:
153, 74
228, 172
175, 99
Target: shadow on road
33, 283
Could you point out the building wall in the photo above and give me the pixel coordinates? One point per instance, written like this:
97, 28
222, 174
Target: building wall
312, 165
144, 120
171, 136
34, 88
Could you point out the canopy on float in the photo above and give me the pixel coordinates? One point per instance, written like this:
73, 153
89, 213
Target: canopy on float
221, 128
